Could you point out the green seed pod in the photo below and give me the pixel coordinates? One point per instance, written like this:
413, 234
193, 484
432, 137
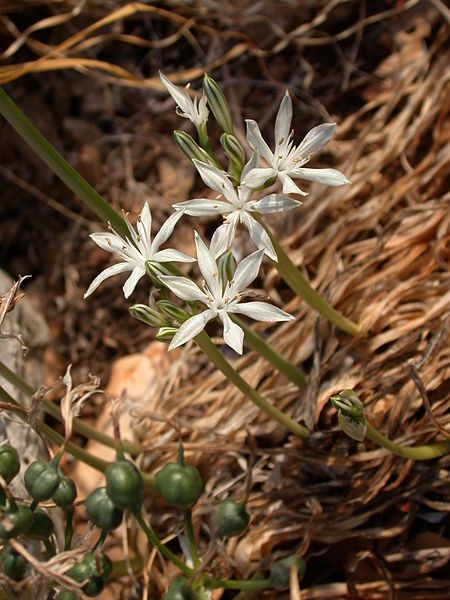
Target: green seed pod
280, 572
42, 526
180, 485
41, 480
101, 510
9, 462
124, 484
218, 104
66, 595
65, 494
231, 518
190, 148
14, 565
14, 520
95, 569
179, 589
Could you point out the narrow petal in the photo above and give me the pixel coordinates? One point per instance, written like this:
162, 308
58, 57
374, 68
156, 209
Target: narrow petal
324, 176
203, 207
262, 311
183, 287
289, 187
283, 120
315, 139
274, 203
130, 283
259, 236
256, 141
170, 255
109, 272
144, 225
233, 335
110, 242
166, 230
192, 327
256, 178
180, 95
216, 180
247, 270
251, 164
222, 238
208, 267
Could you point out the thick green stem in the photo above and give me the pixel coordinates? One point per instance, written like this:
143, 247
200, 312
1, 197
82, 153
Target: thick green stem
425, 452
78, 425
154, 541
235, 584
204, 342
79, 186
259, 344
297, 282
189, 531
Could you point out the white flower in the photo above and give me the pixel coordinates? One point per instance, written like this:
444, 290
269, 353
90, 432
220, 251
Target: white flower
287, 160
221, 298
236, 207
194, 110
136, 250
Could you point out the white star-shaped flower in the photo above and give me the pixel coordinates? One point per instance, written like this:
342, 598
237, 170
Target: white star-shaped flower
194, 110
137, 250
236, 207
221, 298
287, 160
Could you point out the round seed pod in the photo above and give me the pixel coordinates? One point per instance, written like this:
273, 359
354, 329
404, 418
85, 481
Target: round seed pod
280, 572
9, 462
41, 480
101, 510
95, 570
124, 484
42, 526
231, 518
179, 484
15, 520
13, 564
65, 493
179, 589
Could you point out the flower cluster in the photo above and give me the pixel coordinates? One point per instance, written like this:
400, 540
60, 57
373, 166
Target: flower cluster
240, 200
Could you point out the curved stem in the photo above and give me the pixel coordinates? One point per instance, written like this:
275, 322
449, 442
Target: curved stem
425, 452
189, 531
235, 584
154, 541
298, 284
204, 342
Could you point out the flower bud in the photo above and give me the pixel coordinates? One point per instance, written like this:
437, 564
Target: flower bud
9, 462
190, 148
147, 315
235, 153
281, 570
227, 266
351, 414
218, 104
172, 311
165, 334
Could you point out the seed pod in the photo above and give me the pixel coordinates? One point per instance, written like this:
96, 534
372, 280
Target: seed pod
41, 480
101, 510
13, 563
180, 485
42, 526
179, 589
280, 572
14, 520
65, 494
9, 462
95, 569
124, 484
231, 518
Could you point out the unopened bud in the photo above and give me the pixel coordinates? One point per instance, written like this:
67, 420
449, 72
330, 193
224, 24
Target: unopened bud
147, 315
165, 334
235, 153
227, 266
351, 414
218, 104
172, 311
190, 148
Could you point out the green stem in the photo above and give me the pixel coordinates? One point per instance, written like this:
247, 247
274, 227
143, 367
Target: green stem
259, 344
154, 541
79, 186
49, 548
189, 531
297, 282
68, 532
216, 357
425, 452
235, 584
78, 425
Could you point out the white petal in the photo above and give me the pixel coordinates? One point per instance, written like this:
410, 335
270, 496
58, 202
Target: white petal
130, 283
144, 225
233, 335
202, 207
262, 311
170, 255
274, 203
259, 236
166, 230
110, 242
251, 164
109, 272
222, 238
289, 187
256, 178
247, 270
208, 267
284, 120
183, 287
323, 176
216, 180
316, 139
256, 141
180, 95
192, 327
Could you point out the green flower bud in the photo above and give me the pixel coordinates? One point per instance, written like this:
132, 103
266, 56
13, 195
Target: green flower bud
280, 572
180, 485
351, 414
218, 104
231, 518
65, 494
166, 333
179, 589
41, 527
14, 520
41, 480
101, 510
172, 311
9, 462
227, 266
191, 149
235, 154
95, 569
124, 484
14, 565
147, 315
